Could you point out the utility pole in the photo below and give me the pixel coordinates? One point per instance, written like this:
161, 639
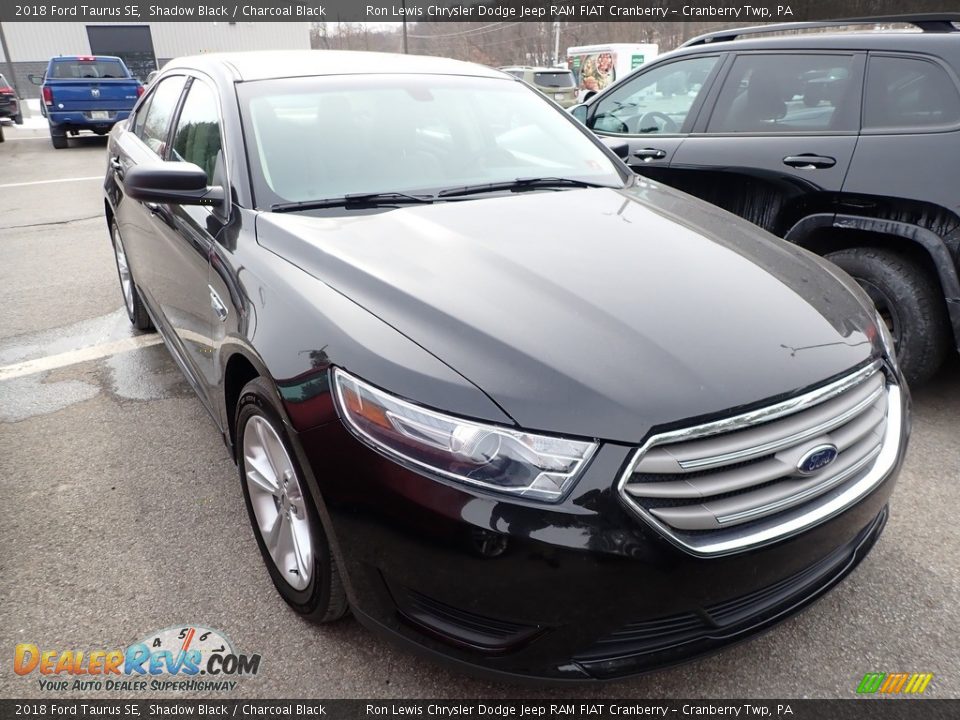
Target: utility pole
404, 6
556, 43
6, 55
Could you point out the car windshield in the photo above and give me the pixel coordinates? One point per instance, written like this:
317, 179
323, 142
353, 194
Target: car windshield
322, 137
74, 69
561, 79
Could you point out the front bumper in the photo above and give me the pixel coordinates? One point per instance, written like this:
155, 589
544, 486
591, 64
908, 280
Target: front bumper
575, 591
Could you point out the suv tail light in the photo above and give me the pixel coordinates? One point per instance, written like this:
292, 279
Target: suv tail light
47, 96
6, 90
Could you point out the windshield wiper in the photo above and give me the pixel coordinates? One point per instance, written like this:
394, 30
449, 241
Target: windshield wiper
518, 185
355, 200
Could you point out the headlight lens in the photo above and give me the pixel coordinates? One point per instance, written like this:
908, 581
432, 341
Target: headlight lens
494, 458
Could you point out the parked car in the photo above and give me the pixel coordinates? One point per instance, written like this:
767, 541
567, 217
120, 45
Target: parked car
558, 84
9, 102
835, 142
86, 92
498, 396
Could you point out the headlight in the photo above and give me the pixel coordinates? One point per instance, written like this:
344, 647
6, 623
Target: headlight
886, 338
494, 458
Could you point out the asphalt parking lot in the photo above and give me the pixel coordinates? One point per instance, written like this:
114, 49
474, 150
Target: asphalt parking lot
123, 512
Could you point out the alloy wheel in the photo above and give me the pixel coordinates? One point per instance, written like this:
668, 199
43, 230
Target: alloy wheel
126, 283
278, 502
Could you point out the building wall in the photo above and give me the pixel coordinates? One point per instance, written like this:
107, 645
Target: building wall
32, 44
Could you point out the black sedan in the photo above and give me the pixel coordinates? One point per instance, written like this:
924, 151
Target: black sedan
486, 389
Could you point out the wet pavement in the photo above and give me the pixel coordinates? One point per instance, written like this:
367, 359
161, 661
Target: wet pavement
123, 513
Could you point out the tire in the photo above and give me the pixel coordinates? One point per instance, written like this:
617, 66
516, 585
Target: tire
18, 118
317, 593
131, 296
59, 140
911, 303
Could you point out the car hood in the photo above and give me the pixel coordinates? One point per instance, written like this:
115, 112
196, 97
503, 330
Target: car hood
594, 312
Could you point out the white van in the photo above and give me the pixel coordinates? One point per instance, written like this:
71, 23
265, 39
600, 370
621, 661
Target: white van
608, 63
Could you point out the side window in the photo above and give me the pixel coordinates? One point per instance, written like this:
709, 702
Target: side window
787, 93
656, 101
909, 93
156, 120
197, 138
140, 116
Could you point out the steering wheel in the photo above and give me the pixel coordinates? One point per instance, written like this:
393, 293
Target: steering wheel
657, 122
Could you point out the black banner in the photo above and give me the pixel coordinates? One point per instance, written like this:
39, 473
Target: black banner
854, 709
488, 11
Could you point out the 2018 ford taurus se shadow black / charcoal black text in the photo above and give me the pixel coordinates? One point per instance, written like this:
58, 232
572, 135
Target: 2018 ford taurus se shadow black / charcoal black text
485, 388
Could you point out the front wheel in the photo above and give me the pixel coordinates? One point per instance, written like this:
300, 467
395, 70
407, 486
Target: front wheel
909, 302
285, 522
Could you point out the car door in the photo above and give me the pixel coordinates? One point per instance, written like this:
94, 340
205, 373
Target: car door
654, 110
911, 113
186, 232
144, 140
777, 142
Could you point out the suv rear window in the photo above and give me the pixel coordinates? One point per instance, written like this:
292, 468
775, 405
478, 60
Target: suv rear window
79, 69
561, 79
787, 93
909, 93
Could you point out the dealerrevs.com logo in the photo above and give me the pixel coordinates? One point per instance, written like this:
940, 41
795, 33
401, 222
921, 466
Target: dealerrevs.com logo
179, 658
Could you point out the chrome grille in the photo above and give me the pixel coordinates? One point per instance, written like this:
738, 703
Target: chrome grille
744, 481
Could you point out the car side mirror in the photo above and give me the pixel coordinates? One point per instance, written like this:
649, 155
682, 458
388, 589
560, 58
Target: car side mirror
579, 112
619, 147
35, 79
180, 183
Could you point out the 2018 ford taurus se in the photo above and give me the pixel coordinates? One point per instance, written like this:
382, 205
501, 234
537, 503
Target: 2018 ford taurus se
485, 388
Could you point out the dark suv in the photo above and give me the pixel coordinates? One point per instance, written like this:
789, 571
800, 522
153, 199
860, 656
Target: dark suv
9, 102
843, 143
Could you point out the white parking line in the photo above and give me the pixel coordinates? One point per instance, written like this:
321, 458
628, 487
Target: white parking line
47, 182
72, 357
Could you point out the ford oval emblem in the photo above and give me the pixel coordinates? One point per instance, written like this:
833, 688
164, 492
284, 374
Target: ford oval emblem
817, 459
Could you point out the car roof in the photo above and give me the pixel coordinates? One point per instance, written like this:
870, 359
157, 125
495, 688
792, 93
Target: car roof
536, 68
267, 64
83, 58
883, 40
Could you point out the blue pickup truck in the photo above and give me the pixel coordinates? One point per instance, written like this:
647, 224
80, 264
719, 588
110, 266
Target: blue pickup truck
86, 92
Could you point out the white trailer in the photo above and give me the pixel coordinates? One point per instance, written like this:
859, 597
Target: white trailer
608, 63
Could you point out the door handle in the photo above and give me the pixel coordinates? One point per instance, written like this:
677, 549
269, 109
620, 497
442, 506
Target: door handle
217, 304
809, 162
647, 154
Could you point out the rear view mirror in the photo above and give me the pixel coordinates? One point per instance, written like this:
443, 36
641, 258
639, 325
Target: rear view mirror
180, 183
35, 79
579, 112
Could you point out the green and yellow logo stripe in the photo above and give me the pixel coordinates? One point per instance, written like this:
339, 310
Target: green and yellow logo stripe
894, 683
